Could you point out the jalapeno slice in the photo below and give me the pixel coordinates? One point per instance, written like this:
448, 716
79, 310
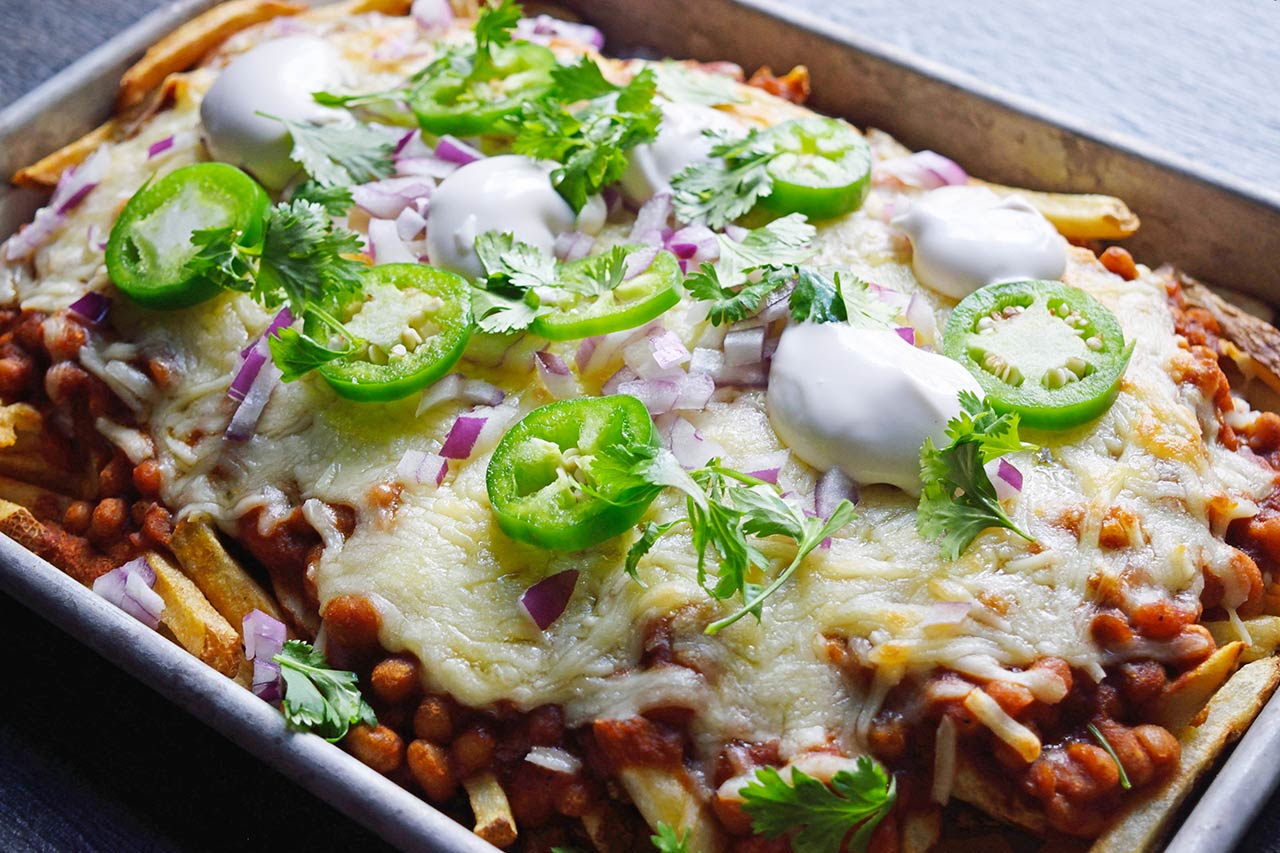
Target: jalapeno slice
632, 303
1048, 351
461, 100
541, 481
150, 244
823, 169
413, 322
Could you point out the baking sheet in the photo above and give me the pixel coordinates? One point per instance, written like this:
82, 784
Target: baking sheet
1210, 224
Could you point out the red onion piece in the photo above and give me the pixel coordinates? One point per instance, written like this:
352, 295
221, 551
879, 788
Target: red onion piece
639, 261
386, 199
1006, 478
543, 28
555, 375
744, 346
255, 355
736, 233
923, 169
920, 317
767, 466
410, 224
694, 242
462, 437
92, 307
454, 150
432, 15
425, 167
658, 354
73, 187
129, 587
832, 488
266, 680
683, 392
455, 386
907, 333
616, 381
573, 246
245, 420
385, 245
547, 599
264, 635
422, 468
159, 147
712, 363
651, 219
689, 446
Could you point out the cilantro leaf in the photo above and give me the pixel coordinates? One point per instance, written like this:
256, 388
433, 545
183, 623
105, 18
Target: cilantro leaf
498, 314
221, 258
597, 275
508, 263
495, 26
319, 699
817, 299
339, 154
773, 250
297, 353
336, 200
302, 260
958, 501
667, 840
864, 309
732, 304
783, 242
591, 142
725, 187
682, 84
856, 801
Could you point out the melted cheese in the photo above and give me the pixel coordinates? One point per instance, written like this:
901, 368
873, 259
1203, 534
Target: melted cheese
447, 581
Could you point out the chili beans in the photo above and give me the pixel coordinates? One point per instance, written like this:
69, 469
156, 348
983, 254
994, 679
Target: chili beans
1120, 262
353, 621
429, 764
434, 720
395, 679
377, 746
472, 750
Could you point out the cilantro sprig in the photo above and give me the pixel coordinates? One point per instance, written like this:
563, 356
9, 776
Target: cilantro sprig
336, 155
680, 83
668, 840
317, 698
821, 816
726, 186
763, 262
958, 501
724, 511
588, 125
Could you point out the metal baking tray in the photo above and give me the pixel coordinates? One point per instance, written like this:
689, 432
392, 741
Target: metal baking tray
1210, 224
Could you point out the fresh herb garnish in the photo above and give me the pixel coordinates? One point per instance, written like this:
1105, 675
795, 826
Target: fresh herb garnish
820, 816
667, 840
725, 187
336, 200
597, 275
339, 154
506, 300
589, 138
723, 509
679, 83
957, 501
319, 699
1106, 745
772, 251
818, 298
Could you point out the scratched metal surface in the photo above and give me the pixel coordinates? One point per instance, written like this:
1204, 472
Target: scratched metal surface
1196, 79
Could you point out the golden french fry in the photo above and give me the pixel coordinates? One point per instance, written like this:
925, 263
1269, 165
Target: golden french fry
42, 502
1143, 825
44, 173
189, 43
494, 821
1264, 636
192, 621
663, 795
1078, 216
229, 588
1255, 338
16, 419
1184, 698
21, 526
976, 786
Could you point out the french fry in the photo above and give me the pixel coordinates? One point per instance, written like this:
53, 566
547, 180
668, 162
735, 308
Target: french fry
229, 588
44, 173
192, 621
494, 821
1264, 636
43, 503
189, 43
1142, 826
976, 786
18, 420
1256, 339
1077, 216
21, 526
1183, 699
665, 796
609, 831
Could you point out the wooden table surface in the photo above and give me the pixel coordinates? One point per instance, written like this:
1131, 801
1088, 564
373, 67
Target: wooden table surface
90, 760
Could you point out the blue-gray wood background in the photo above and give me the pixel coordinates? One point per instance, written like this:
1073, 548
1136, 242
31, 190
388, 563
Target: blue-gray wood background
90, 760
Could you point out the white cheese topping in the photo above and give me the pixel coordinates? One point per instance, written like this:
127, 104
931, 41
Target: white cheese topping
276, 78
506, 194
968, 237
680, 143
862, 400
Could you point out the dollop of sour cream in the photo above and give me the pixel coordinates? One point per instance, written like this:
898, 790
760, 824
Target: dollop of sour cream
680, 143
277, 78
862, 400
964, 238
509, 193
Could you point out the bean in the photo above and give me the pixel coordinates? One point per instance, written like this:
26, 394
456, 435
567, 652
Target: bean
472, 750
352, 621
377, 746
147, 478
429, 764
395, 679
433, 720
107, 521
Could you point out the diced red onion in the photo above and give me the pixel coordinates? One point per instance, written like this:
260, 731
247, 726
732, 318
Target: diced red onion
462, 437
616, 381
651, 219
255, 355
266, 680
920, 317
422, 468
907, 333
833, 487
683, 392
612, 202
744, 346
736, 233
454, 150
1006, 478
92, 307
893, 298
658, 354
573, 246
712, 363
696, 243
410, 224
245, 420
264, 635
455, 386
555, 759
690, 448
555, 375
543, 28
129, 587
546, 600
596, 354
766, 467
944, 614
425, 167
385, 199
385, 245
639, 262
923, 169
432, 15
73, 186
776, 305
159, 147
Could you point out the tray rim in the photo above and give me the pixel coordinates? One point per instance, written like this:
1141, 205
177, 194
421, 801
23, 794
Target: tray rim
370, 798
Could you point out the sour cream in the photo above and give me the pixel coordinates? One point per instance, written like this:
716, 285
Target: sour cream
680, 143
506, 194
277, 78
861, 400
964, 238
